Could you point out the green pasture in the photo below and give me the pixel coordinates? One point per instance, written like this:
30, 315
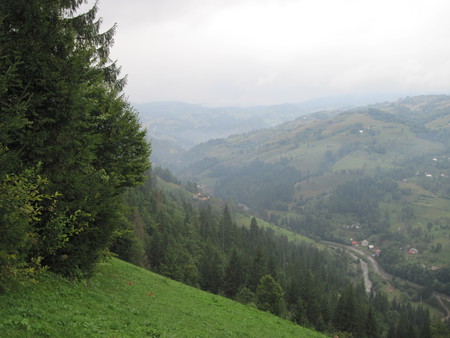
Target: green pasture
244, 220
122, 300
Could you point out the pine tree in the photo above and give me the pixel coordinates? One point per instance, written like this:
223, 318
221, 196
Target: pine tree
67, 116
269, 295
227, 229
234, 274
345, 312
371, 325
257, 269
211, 268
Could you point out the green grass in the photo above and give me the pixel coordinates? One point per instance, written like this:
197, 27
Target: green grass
244, 220
122, 300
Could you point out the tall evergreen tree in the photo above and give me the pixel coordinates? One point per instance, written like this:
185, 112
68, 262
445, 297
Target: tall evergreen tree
64, 96
257, 269
371, 325
234, 274
227, 229
211, 268
345, 312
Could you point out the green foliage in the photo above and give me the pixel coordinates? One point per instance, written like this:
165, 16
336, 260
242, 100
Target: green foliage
22, 205
269, 295
63, 111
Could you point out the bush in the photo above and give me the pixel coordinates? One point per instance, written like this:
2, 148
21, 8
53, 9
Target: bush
21, 204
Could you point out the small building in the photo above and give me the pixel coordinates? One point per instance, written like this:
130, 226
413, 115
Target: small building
413, 251
364, 243
199, 196
371, 247
377, 252
355, 243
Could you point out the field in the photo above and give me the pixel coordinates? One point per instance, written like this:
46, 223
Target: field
122, 300
244, 220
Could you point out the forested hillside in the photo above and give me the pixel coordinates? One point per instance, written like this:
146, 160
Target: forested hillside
378, 173
196, 240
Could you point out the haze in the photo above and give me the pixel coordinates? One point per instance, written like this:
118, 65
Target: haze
222, 52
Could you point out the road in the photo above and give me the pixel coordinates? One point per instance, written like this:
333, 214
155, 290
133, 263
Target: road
386, 276
365, 270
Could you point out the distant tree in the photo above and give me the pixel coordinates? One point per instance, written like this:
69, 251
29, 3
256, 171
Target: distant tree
371, 325
253, 226
269, 295
245, 296
257, 269
440, 329
227, 229
345, 312
234, 274
211, 268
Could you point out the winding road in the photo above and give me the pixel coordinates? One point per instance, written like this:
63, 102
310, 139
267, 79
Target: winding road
357, 254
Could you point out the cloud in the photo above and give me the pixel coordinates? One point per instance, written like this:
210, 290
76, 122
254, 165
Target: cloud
246, 52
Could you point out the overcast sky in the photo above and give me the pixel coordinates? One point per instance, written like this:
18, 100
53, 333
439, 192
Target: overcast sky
258, 52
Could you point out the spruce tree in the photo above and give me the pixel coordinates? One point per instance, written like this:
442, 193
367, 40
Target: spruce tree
67, 116
234, 274
269, 295
345, 312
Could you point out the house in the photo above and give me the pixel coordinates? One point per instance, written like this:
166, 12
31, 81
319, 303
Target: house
364, 243
199, 196
413, 251
354, 243
377, 252
371, 247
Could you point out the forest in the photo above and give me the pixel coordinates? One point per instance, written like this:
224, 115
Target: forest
198, 243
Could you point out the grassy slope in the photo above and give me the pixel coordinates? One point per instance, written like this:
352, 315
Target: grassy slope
122, 300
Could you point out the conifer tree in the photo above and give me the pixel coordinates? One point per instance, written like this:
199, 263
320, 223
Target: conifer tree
269, 295
371, 325
345, 312
234, 275
67, 117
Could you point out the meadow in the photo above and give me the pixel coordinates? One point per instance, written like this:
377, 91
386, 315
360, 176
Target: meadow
122, 300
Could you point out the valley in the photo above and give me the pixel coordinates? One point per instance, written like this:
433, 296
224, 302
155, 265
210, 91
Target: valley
385, 167
327, 217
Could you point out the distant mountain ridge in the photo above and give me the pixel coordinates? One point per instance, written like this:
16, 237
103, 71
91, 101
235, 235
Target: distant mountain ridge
177, 126
341, 129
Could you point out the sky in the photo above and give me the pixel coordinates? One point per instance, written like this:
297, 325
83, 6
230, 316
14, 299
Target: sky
263, 52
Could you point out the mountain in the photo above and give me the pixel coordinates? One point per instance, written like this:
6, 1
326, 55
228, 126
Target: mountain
175, 127
384, 167
304, 139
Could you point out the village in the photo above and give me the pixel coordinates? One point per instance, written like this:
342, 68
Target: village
375, 251
200, 197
